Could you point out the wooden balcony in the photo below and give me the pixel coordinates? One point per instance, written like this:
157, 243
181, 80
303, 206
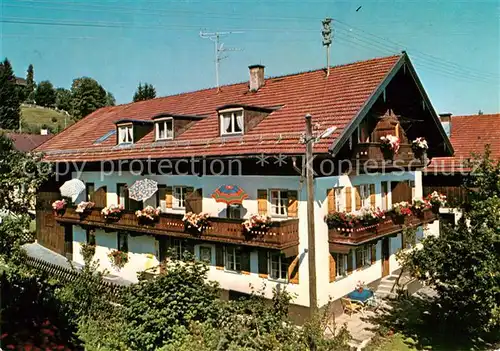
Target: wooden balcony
370, 157
362, 234
282, 234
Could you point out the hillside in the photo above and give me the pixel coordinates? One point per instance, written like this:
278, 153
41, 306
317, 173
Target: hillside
33, 118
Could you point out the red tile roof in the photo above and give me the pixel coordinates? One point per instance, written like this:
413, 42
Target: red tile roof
469, 134
26, 142
332, 102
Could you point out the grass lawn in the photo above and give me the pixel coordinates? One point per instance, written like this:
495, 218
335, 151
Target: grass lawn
395, 342
34, 117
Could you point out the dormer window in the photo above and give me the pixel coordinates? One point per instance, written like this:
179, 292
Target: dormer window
164, 129
231, 122
125, 134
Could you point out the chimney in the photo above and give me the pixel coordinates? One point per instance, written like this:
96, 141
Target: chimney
446, 122
256, 77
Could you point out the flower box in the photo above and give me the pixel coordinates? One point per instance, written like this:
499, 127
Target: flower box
389, 144
257, 224
59, 206
118, 258
112, 212
196, 222
84, 206
147, 215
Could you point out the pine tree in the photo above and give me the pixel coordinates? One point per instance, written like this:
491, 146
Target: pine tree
10, 106
30, 85
144, 92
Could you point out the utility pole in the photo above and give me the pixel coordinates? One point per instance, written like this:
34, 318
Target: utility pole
219, 49
327, 41
311, 242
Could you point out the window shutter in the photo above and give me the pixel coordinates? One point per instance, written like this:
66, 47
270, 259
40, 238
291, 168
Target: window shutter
293, 204
190, 199
263, 264
333, 268
168, 196
293, 271
100, 197
348, 200
262, 201
245, 261
349, 262
372, 195
396, 130
373, 255
385, 198
358, 259
330, 195
219, 257
357, 196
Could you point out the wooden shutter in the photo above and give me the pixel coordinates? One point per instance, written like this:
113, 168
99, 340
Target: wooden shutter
385, 197
263, 264
194, 200
330, 195
293, 204
358, 258
396, 130
401, 191
357, 196
333, 268
100, 197
372, 195
245, 261
262, 201
373, 253
349, 262
168, 196
348, 200
219, 257
293, 271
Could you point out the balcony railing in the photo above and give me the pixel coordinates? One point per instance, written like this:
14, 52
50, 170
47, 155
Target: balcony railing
281, 235
360, 234
370, 156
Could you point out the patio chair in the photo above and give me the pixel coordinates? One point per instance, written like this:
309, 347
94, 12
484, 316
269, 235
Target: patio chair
351, 307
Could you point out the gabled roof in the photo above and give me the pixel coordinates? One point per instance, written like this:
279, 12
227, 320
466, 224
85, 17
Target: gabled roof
26, 142
469, 134
332, 101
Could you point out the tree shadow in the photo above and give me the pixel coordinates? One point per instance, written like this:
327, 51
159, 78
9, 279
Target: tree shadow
420, 320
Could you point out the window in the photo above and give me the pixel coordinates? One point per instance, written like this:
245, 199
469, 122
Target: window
179, 196
233, 211
279, 266
125, 134
122, 195
339, 203
89, 191
91, 237
180, 247
161, 197
363, 133
233, 259
123, 241
340, 264
165, 129
364, 191
206, 254
363, 256
279, 202
232, 122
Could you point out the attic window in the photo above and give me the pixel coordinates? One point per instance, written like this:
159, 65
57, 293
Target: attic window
231, 122
164, 129
125, 134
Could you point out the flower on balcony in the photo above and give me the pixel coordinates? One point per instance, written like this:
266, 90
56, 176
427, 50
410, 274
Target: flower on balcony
83, 206
368, 215
419, 205
390, 143
402, 209
257, 222
112, 211
59, 205
196, 221
436, 199
360, 285
343, 220
118, 258
419, 144
149, 213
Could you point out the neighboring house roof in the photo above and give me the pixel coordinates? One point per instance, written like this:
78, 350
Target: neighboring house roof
26, 142
333, 101
469, 134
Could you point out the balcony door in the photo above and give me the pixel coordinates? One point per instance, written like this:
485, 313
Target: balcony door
386, 252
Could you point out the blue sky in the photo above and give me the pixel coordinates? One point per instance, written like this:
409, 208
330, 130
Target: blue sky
454, 45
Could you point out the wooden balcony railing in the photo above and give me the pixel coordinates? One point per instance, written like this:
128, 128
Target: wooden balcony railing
456, 196
370, 156
361, 234
281, 235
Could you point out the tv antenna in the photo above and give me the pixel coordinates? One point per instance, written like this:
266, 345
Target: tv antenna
327, 41
219, 49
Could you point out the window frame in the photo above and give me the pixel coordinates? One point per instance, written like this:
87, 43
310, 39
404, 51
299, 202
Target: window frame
207, 248
175, 199
364, 194
126, 127
233, 118
272, 206
340, 269
339, 199
235, 264
283, 266
88, 193
365, 256
122, 241
164, 122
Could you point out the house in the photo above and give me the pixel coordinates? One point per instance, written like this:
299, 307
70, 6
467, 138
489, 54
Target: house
468, 135
250, 136
26, 142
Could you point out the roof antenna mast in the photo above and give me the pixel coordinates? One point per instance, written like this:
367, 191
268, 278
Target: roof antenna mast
219, 49
327, 41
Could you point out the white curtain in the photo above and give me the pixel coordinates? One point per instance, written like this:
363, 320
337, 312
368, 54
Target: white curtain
226, 123
122, 134
239, 121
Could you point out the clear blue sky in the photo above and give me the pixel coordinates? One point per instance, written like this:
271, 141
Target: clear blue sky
455, 46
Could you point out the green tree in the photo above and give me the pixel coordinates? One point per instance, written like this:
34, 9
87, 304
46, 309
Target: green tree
63, 99
463, 263
110, 99
30, 85
87, 95
144, 92
10, 106
45, 94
